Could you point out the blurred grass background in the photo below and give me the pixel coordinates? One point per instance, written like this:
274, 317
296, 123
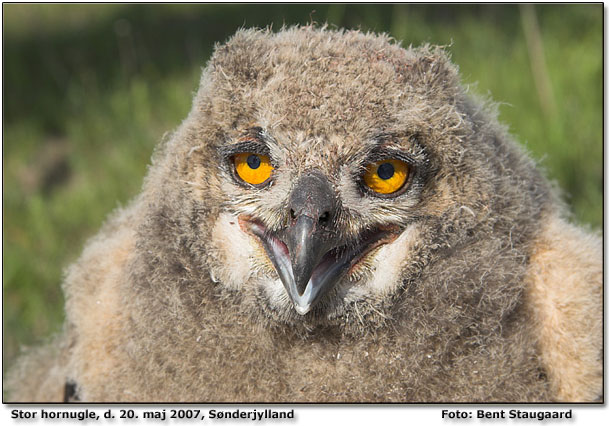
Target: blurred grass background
88, 91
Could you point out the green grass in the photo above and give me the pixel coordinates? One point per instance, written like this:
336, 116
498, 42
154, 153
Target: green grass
90, 89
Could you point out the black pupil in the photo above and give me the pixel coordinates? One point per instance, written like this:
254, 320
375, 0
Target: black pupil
385, 171
253, 161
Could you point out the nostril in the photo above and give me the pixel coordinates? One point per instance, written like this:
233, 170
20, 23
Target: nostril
324, 218
313, 197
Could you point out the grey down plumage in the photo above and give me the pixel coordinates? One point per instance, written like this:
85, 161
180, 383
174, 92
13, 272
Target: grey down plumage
465, 284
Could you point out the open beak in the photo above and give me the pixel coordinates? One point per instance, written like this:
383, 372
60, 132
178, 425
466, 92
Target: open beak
307, 254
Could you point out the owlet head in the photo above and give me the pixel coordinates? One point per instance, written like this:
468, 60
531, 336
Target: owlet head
343, 160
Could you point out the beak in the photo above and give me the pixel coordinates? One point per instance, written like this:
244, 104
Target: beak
306, 253
309, 237
307, 245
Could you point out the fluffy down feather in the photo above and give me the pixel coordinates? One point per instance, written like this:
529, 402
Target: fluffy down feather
486, 294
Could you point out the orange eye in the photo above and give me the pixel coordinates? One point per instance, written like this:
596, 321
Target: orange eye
386, 176
253, 168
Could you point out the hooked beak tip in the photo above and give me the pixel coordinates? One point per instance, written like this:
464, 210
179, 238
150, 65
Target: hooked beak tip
302, 310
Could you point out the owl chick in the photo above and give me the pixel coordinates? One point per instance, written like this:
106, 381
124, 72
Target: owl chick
337, 219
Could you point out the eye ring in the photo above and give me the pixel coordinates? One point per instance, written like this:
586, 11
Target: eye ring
387, 177
252, 168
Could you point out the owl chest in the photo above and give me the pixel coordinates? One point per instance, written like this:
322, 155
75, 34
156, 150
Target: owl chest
357, 371
236, 362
